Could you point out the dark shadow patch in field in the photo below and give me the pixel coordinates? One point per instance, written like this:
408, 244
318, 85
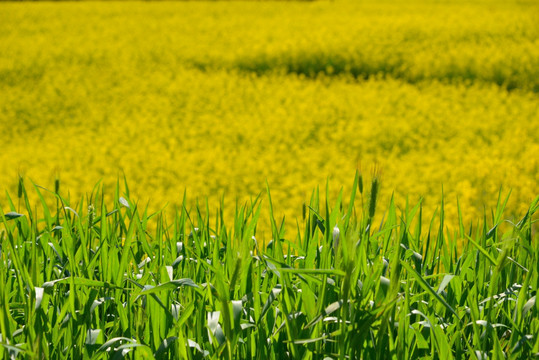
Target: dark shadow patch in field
31, 74
314, 65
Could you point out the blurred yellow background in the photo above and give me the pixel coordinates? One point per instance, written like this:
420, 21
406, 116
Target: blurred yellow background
218, 98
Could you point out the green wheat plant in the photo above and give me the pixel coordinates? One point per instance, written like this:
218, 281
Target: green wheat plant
97, 280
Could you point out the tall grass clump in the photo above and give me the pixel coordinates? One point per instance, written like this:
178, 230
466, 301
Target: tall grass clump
96, 280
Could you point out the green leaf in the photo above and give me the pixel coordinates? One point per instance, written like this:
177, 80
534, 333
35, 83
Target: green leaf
483, 251
39, 296
164, 346
12, 215
237, 307
529, 305
215, 328
271, 298
14, 350
124, 202
113, 341
168, 286
92, 336
427, 287
445, 281
310, 341
328, 310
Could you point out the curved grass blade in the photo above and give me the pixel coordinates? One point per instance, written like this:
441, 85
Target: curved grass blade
428, 288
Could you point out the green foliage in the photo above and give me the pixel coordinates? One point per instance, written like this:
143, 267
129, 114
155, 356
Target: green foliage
98, 280
221, 96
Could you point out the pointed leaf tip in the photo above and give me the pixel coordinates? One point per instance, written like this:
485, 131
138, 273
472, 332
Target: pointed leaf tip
12, 215
124, 202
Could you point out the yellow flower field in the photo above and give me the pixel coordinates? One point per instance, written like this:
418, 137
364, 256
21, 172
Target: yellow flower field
218, 98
